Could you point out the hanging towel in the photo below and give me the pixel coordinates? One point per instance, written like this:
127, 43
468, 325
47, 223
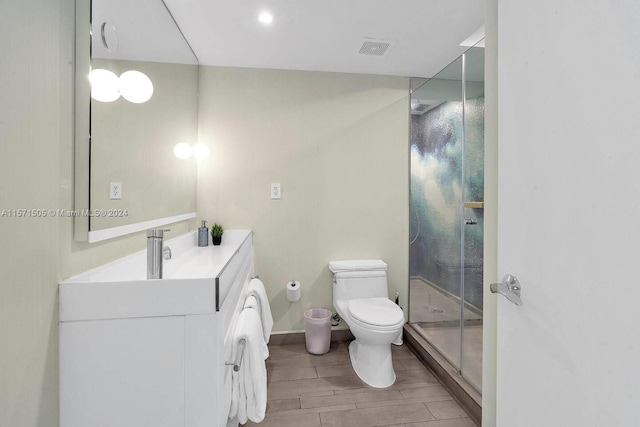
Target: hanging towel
256, 289
249, 384
252, 302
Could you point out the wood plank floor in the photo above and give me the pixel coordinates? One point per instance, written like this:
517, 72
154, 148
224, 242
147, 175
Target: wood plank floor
305, 390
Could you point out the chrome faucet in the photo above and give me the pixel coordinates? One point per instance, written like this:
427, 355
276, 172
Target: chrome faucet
156, 253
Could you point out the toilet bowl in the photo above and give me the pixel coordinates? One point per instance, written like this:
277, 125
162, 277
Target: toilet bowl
360, 296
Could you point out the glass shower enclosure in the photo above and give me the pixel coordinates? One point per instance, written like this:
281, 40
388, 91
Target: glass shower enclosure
446, 212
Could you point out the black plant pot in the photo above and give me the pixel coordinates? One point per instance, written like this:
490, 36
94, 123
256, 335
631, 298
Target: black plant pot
216, 240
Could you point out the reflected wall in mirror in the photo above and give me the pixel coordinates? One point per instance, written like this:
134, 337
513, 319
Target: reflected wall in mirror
132, 139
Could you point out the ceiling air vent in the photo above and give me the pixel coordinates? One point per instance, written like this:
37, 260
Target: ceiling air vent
375, 47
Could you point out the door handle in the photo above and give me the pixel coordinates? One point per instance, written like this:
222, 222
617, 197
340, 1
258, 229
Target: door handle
470, 221
509, 287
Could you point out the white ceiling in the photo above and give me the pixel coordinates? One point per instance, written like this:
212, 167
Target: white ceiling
325, 35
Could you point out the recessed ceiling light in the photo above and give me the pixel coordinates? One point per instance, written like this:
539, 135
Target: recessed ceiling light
265, 18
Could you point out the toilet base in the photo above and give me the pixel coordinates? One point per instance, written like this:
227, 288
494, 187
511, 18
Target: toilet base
372, 363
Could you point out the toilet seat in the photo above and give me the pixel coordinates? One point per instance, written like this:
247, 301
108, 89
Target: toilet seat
376, 313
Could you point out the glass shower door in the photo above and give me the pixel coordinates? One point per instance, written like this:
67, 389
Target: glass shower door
473, 212
437, 135
446, 185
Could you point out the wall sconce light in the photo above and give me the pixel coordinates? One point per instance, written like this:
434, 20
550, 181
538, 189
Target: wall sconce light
184, 151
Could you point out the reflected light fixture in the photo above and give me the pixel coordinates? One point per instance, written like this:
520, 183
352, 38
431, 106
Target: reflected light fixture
200, 151
182, 151
265, 17
109, 36
135, 86
104, 85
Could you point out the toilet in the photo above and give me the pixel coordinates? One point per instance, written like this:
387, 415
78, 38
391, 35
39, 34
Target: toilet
360, 296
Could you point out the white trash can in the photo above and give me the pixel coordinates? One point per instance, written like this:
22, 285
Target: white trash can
317, 330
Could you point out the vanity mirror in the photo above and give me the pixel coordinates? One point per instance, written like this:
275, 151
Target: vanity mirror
127, 177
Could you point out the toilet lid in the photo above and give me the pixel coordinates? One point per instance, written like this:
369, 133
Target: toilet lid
376, 311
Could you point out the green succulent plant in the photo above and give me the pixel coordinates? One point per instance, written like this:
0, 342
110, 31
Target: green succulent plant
217, 230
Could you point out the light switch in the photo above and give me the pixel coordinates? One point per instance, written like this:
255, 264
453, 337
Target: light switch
275, 191
115, 191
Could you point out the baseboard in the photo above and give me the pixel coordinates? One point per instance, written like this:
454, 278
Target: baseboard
467, 396
285, 338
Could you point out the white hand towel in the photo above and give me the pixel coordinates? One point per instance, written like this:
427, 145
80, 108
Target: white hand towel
256, 289
249, 385
252, 302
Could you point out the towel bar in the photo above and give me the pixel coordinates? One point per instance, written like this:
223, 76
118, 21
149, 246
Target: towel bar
236, 364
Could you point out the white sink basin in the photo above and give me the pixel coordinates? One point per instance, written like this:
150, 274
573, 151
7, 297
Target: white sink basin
120, 288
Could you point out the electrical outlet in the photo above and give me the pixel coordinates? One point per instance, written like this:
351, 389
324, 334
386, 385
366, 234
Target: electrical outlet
276, 192
115, 191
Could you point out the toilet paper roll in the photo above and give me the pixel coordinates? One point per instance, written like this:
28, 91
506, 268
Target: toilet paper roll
293, 291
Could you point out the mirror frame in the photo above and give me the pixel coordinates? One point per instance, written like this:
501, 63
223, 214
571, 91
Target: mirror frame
82, 144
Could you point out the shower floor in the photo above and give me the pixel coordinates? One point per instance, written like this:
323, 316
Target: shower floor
437, 317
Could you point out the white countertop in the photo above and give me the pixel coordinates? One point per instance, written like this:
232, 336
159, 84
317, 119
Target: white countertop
188, 261
120, 289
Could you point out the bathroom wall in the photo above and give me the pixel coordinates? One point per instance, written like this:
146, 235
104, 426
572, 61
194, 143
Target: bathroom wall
337, 143
36, 171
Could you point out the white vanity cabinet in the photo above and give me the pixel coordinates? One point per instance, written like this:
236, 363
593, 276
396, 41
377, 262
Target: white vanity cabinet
137, 352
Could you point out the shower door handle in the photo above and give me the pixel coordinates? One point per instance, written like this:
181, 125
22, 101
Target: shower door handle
509, 287
470, 221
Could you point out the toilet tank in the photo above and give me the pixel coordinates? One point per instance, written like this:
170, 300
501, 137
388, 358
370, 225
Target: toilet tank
359, 279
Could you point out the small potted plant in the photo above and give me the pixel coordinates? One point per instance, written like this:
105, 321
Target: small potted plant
216, 234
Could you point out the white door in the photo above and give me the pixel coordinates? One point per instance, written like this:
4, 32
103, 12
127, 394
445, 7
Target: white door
569, 212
